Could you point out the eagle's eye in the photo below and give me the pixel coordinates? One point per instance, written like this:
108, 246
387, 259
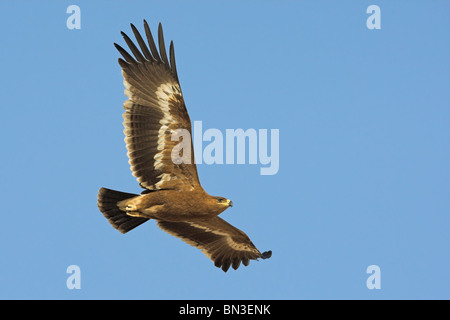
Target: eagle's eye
219, 200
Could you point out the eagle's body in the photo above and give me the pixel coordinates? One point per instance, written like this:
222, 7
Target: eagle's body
160, 205
173, 196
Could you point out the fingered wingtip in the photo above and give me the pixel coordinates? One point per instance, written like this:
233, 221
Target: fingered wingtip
266, 255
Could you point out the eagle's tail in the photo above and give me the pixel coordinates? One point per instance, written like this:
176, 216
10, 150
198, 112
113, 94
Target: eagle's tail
107, 203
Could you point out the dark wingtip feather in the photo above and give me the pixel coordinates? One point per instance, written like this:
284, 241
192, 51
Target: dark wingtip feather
151, 42
133, 48
218, 260
266, 255
173, 66
141, 43
124, 53
150, 52
162, 46
236, 263
123, 64
226, 265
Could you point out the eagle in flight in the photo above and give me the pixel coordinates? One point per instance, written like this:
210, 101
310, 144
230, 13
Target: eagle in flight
173, 195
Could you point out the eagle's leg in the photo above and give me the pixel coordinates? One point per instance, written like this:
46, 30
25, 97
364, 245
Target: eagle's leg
153, 210
131, 207
150, 212
135, 214
132, 211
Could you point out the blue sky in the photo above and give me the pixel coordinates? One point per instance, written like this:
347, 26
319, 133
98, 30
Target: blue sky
364, 172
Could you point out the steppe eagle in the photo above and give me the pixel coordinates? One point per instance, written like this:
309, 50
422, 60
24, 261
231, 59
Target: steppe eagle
173, 195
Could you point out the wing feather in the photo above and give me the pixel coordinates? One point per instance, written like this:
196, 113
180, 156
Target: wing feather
162, 46
173, 65
224, 244
141, 43
154, 111
151, 42
133, 48
128, 58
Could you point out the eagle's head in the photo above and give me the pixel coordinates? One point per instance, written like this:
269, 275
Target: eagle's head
220, 204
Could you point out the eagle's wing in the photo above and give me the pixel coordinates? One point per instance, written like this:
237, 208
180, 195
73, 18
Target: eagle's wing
218, 240
153, 113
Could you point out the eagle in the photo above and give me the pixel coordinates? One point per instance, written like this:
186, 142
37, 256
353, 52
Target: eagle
172, 195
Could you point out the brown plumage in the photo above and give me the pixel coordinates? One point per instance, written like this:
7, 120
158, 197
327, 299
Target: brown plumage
173, 195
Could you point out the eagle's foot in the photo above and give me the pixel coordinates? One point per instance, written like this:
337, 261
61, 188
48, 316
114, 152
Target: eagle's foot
135, 214
130, 207
132, 210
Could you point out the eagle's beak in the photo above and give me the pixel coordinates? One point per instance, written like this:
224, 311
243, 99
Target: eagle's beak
230, 203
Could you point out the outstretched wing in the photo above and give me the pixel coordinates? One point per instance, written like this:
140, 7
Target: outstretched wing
155, 112
220, 241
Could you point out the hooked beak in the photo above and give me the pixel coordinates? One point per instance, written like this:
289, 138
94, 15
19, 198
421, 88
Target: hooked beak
230, 203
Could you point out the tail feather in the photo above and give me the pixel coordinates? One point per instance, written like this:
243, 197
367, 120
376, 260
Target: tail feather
107, 203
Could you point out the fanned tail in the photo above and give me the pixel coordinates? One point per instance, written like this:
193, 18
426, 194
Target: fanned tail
107, 203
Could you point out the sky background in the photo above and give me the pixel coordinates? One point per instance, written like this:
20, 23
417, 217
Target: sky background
364, 176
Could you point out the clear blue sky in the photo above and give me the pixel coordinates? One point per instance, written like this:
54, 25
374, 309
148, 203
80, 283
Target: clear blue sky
364, 176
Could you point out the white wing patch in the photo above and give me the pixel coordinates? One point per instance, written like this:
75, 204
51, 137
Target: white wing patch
229, 240
164, 93
126, 85
164, 178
